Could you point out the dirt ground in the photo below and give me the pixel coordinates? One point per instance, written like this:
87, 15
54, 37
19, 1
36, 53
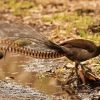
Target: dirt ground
59, 20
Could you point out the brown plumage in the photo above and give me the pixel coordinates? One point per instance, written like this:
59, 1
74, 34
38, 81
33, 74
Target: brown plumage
77, 50
81, 49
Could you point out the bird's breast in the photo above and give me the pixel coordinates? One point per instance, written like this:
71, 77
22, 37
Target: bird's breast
79, 55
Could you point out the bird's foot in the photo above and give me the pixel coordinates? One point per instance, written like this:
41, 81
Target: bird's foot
84, 88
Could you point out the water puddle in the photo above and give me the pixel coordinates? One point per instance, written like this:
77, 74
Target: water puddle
18, 78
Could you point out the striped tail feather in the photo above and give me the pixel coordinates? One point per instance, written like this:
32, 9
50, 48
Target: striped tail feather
33, 53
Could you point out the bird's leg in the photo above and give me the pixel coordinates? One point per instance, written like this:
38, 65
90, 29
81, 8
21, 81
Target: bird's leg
82, 74
76, 70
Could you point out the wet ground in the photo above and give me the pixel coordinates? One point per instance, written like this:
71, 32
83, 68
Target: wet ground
22, 78
19, 79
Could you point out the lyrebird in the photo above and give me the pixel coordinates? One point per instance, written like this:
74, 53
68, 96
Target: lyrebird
77, 50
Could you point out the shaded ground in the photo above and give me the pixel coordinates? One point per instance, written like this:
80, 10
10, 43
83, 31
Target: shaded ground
59, 20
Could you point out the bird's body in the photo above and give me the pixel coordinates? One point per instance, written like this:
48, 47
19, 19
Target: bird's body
75, 49
82, 49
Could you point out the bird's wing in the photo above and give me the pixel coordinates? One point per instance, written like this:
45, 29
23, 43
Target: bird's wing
80, 43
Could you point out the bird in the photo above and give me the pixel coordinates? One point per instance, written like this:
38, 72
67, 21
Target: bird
77, 50
82, 50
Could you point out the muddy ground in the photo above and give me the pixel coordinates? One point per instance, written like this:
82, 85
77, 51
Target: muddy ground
25, 78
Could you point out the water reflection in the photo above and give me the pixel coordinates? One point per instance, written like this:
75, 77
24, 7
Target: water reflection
13, 66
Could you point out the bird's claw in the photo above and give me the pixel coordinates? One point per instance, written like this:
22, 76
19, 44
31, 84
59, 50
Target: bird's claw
84, 88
